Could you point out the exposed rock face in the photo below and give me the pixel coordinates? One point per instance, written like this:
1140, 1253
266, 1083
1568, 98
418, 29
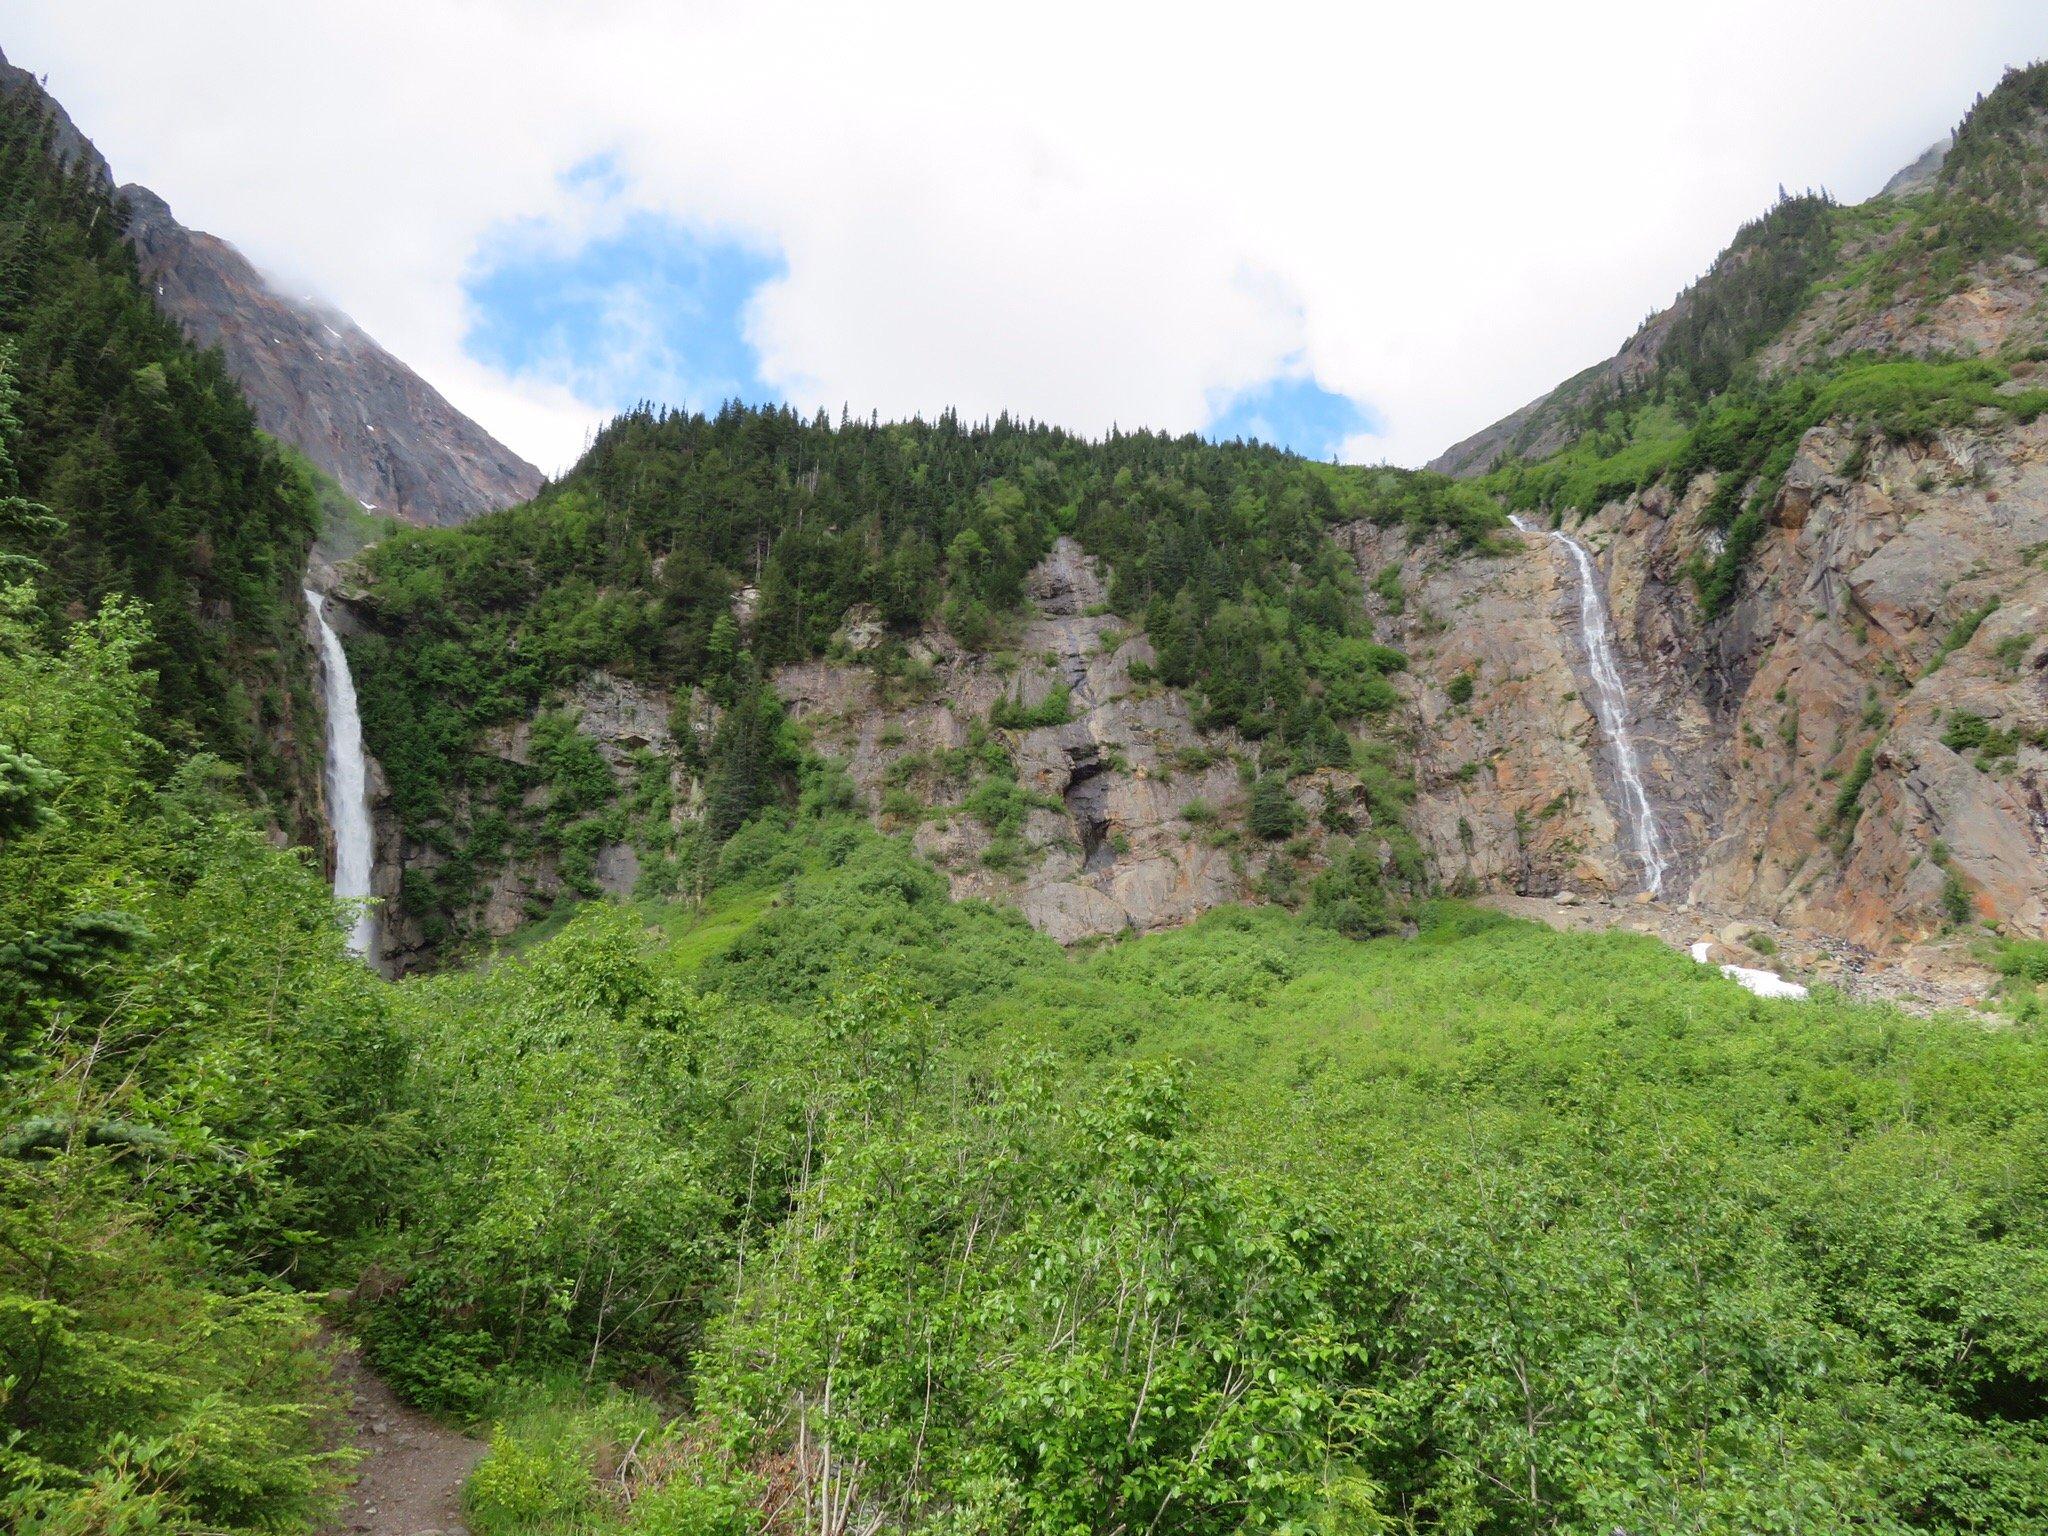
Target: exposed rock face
1920, 175
315, 379
629, 724
1754, 724
1135, 813
1516, 787
1831, 649
322, 385
1125, 817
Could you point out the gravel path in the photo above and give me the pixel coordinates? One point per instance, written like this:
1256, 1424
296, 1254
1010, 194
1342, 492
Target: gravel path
409, 1482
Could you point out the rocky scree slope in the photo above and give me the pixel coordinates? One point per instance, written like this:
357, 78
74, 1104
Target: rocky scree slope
315, 379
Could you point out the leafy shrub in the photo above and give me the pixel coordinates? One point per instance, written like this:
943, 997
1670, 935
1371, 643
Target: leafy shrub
1848, 799
1011, 713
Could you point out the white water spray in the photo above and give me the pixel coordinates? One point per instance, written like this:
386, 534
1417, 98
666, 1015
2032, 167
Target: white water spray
348, 798
1610, 707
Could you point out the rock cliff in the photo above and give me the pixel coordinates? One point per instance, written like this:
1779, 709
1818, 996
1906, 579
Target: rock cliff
1135, 817
1853, 743
1123, 816
1856, 747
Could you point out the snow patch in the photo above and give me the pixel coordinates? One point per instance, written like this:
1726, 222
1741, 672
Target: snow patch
1762, 983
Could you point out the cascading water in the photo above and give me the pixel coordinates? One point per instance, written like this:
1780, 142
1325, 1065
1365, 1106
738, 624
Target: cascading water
348, 798
1610, 707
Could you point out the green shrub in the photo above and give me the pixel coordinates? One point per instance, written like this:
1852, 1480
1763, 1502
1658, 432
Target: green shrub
1965, 731
1848, 799
1011, 713
1961, 633
528, 1485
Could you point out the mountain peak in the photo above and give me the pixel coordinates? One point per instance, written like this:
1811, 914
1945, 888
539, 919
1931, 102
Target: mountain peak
316, 379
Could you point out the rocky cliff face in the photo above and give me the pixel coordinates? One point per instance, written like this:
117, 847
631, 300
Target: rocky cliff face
315, 379
1858, 748
1136, 816
1864, 779
1516, 785
1124, 817
322, 385
1855, 745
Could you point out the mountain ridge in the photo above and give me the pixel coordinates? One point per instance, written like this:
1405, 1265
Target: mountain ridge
317, 381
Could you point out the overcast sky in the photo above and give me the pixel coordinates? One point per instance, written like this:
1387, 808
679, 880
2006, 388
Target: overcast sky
1362, 229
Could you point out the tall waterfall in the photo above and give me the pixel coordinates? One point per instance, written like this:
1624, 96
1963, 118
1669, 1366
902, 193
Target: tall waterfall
1610, 707
348, 798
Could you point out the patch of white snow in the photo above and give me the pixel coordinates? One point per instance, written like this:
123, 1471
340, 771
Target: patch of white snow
1762, 983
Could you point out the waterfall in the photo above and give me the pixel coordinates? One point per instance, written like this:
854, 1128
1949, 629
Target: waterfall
1610, 708
348, 798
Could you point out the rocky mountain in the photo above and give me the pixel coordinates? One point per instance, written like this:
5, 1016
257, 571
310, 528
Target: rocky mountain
316, 380
1825, 577
1811, 496
320, 383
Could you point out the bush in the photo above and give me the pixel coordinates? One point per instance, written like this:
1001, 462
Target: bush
528, 1484
1011, 713
1350, 896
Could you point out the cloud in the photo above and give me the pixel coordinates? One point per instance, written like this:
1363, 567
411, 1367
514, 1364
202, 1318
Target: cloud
1089, 214
1296, 413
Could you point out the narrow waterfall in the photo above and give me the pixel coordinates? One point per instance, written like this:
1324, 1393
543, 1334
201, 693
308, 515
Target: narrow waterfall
1610, 708
348, 796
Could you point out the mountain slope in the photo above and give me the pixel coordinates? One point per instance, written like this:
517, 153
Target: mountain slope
1815, 498
315, 379
131, 472
321, 384
1115, 683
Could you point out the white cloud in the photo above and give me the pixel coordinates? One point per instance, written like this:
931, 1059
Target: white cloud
1087, 213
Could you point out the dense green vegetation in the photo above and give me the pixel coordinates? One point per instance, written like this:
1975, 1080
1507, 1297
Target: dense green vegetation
1757, 285
132, 466
819, 1200
842, 1193
196, 1113
888, 1202
633, 565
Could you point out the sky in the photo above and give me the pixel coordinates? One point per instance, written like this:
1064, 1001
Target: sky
1361, 230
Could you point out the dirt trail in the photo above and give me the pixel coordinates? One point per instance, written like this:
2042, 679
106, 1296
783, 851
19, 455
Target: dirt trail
409, 1482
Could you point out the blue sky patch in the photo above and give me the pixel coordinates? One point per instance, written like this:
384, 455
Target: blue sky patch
1294, 413
653, 310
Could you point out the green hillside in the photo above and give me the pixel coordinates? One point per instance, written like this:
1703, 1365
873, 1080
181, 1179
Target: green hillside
790, 1193
132, 467
632, 565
